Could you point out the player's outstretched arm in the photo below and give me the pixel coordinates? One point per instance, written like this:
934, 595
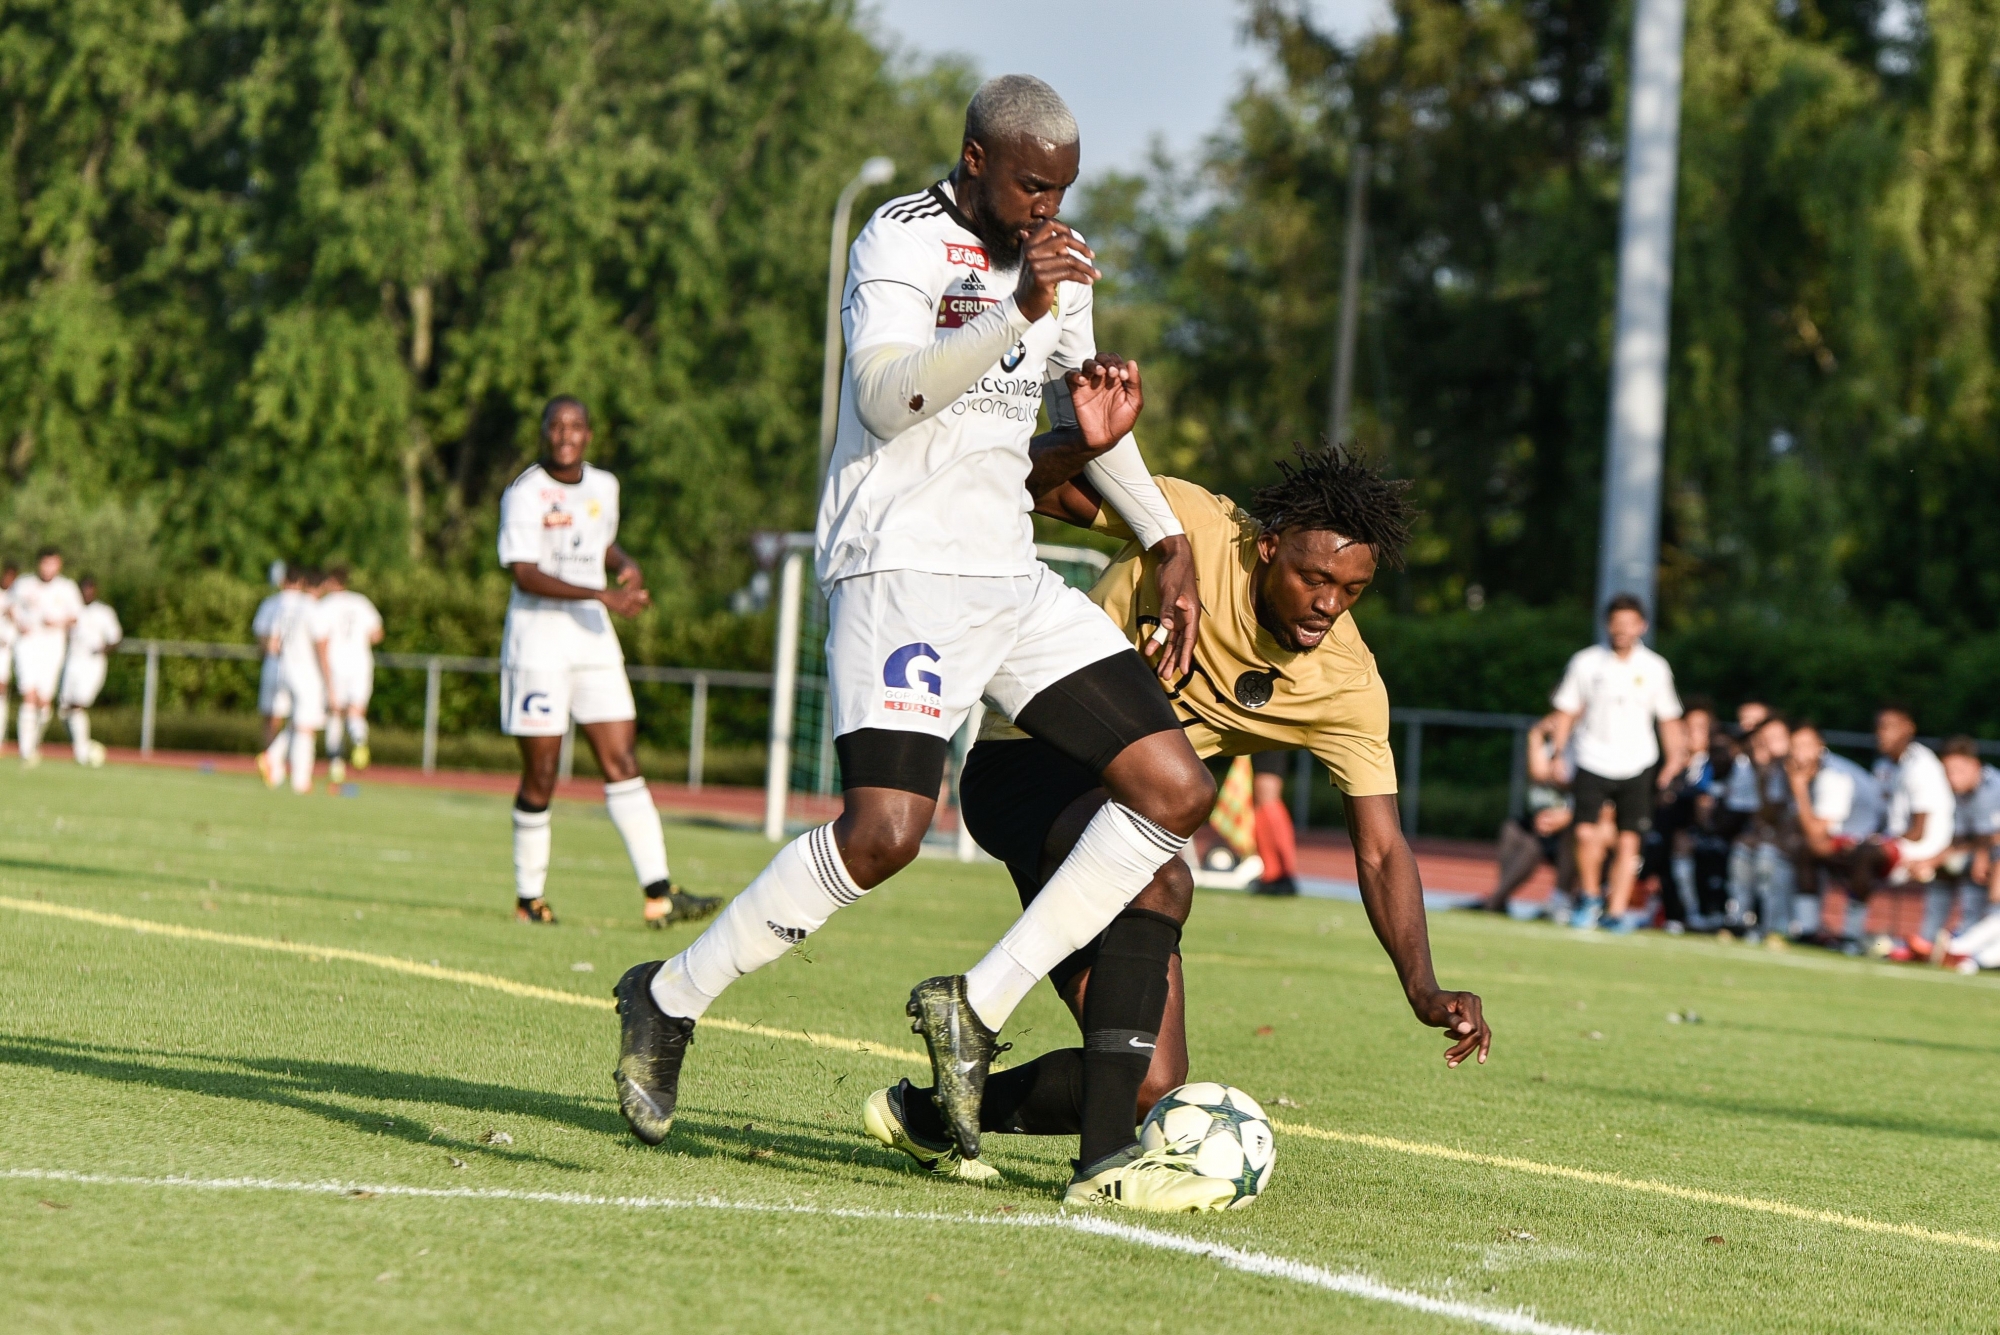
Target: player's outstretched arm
1393, 894
624, 602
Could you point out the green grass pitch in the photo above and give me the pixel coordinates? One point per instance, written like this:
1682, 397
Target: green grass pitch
1833, 1128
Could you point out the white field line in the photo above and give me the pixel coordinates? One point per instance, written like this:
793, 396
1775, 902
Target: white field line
1420, 1149
1349, 1283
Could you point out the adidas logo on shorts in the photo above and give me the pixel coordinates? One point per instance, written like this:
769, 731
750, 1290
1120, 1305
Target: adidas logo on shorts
791, 936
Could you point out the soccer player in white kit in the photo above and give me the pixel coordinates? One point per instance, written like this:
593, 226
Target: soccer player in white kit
560, 660
9, 632
92, 637
298, 642
44, 606
274, 702
963, 305
353, 629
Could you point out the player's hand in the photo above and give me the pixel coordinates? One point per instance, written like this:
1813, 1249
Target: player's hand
1108, 398
1172, 647
1459, 1015
1050, 254
626, 602
630, 576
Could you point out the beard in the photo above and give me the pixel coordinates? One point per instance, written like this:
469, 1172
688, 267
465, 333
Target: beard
1003, 243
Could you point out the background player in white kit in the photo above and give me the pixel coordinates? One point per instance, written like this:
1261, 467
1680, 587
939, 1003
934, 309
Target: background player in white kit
560, 660
300, 645
964, 305
9, 632
273, 701
353, 628
91, 639
44, 606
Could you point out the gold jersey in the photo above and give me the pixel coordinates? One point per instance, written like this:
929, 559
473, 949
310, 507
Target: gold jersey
1245, 693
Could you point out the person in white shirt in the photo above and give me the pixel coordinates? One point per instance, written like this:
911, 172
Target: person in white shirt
274, 702
296, 642
91, 638
44, 606
9, 632
967, 307
1612, 699
560, 662
353, 628
1965, 870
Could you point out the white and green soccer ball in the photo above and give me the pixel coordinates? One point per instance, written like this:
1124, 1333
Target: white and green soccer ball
1221, 1130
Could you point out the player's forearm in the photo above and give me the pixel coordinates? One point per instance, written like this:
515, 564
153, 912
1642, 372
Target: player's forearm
1119, 476
1392, 891
897, 387
528, 579
1055, 458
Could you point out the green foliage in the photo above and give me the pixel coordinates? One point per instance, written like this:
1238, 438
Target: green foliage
293, 281
1835, 334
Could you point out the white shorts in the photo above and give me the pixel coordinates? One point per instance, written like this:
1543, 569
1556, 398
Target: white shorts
38, 661
306, 695
273, 700
541, 702
354, 684
82, 679
913, 652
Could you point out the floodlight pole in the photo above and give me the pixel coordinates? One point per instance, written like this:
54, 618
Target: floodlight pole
1350, 293
1629, 540
875, 171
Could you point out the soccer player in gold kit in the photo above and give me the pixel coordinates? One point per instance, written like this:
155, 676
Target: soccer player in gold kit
1278, 665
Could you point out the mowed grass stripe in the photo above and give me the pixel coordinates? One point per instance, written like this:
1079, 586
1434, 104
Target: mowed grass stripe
1420, 1149
1350, 1283
418, 969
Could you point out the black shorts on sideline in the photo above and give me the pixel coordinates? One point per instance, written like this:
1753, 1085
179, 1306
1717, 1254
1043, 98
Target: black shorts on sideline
1632, 797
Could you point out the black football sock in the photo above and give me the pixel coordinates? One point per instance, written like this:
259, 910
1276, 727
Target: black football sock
1122, 1008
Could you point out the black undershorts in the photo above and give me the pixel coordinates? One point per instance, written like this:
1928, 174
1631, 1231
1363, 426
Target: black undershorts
1633, 798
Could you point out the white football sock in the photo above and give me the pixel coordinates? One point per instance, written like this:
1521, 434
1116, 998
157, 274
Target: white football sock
333, 737
79, 734
790, 899
357, 728
638, 821
531, 853
1117, 855
302, 759
274, 754
31, 730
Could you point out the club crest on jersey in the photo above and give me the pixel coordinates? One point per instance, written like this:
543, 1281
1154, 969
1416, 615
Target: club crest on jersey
557, 519
1013, 356
926, 697
972, 257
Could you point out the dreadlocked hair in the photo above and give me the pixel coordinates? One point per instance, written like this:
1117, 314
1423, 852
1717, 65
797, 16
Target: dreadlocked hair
1338, 491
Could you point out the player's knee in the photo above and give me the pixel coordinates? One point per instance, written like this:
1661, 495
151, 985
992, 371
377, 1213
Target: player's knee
1182, 795
878, 849
1171, 891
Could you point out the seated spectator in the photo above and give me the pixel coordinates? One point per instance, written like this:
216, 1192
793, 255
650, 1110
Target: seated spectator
1839, 807
1761, 871
1277, 840
1540, 834
1963, 871
1750, 714
1680, 844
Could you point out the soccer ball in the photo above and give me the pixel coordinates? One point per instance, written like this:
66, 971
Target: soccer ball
1222, 1129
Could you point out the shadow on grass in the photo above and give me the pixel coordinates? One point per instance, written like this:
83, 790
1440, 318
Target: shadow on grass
1887, 1040
290, 1082
1792, 1112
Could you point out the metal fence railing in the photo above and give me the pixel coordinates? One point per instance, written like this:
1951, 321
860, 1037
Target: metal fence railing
434, 666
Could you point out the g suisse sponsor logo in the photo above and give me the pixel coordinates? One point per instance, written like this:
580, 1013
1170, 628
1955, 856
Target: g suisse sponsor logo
536, 703
972, 257
926, 697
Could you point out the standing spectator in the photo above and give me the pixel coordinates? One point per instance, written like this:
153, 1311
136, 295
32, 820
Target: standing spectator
1277, 840
1542, 833
1965, 868
9, 632
91, 638
1840, 807
1762, 860
1612, 699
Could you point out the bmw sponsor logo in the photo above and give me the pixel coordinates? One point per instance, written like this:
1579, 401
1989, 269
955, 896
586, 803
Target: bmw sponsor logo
1014, 356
